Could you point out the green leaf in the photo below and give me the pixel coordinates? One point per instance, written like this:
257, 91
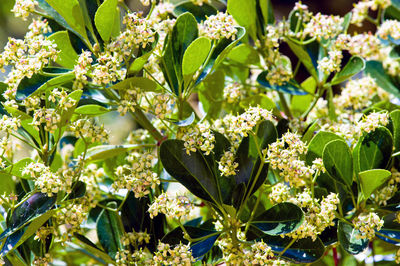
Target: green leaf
91, 109
186, 122
144, 84
261, 100
317, 145
375, 150
19, 237
355, 65
102, 152
375, 70
391, 228
373, 179
184, 32
304, 57
347, 236
71, 11
92, 248
192, 171
267, 11
17, 168
38, 83
282, 218
244, 54
198, 248
67, 56
33, 207
244, 12
304, 250
195, 55
395, 118
290, 87
7, 184
338, 161
200, 12
143, 57
220, 52
105, 19
78, 190
109, 230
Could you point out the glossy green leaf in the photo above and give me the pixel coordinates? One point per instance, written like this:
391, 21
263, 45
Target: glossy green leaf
67, 56
395, 118
91, 109
267, 11
304, 250
290, 87
200, 12
261, 100
304, 57
102, 152
91, 247
245, 13
105, 19
17, 168
390, 232
192, 171
109, 230
220, 52
142, 59
338, 161
7, 184
72, 13
282, 218
186, 122
375, 149
244, 54
142, 83
355, 65
317, 145
372, 179
347, 236
38, 83
375, 70
195, 55
33, 207
198, 248
19, 237
78, 190
309, 132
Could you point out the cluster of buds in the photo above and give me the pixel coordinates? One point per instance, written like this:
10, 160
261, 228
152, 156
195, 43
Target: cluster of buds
219, 26
45, 180
324, 26
135, 238
227, 164
367, 223
87, 129
168, 255
177, 207
199, 137
138, 176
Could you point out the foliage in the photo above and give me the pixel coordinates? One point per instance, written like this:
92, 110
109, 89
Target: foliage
281, 158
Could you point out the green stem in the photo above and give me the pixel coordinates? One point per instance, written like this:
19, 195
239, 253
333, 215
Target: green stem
287, 247
285, 105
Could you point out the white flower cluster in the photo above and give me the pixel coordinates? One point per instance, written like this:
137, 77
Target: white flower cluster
237, 127
227, 164
389, 28
179, 255
382, 195
365, 45
138, 176
47, 181
324, 26
219, 26
128, 100
279, 193
357, 93
178, 207
108, 69
82, 68
233, 92
43, 261
158, 104
199, 137
318, 215
9, 124
367, 223
22, 8
201, 2
138, 257
284, 154
27, 56
135, 238
72, 216
88, 129
331, 63
372, 121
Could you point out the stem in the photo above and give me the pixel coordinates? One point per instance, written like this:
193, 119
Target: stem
287, 247
260, 192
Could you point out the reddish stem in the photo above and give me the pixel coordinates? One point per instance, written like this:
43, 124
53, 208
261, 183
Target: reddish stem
335, 256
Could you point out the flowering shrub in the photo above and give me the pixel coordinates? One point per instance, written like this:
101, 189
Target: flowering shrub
281, 158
